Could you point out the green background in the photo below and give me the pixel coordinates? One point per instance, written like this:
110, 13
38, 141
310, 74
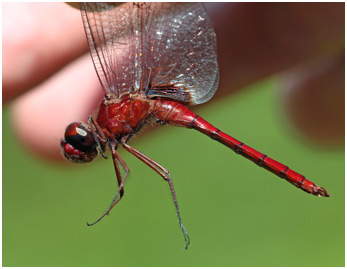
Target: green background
236, 213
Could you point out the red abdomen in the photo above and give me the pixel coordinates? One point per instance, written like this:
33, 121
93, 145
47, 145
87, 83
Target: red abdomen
123, 118
177, 114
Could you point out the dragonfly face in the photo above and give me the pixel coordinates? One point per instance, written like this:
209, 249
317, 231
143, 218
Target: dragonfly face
78, 144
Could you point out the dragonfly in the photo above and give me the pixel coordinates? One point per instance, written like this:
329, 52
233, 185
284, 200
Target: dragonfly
152, 60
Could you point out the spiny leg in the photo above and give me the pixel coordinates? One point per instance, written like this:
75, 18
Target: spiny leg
98, 136
116, 159
164, 173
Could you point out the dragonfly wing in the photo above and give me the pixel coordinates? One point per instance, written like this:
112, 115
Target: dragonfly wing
109, 37
181, 50
158, 46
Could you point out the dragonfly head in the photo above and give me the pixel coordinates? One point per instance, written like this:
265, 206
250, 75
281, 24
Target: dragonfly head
78, 144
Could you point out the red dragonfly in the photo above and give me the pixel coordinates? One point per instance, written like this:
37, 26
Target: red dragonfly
152, 60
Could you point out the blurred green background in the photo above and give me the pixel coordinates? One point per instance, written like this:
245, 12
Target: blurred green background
236, 213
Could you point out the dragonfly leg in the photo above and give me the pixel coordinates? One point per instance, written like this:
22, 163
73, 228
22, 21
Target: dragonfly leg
164, 173
117, 160
98, 135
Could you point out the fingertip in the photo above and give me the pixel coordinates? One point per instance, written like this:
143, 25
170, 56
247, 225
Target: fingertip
40, 116
39, 39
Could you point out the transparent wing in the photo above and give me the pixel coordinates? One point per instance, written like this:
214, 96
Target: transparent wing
166, 49
108, 32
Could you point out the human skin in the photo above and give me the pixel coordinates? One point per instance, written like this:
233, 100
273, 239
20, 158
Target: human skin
49, 80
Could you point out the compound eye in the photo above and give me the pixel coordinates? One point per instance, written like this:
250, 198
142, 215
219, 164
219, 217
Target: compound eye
80, 137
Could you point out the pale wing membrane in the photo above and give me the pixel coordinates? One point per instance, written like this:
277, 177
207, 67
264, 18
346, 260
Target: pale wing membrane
109, 37
139, 46
180, 49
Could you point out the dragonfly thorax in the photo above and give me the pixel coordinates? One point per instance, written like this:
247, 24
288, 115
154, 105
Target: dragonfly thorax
123, 118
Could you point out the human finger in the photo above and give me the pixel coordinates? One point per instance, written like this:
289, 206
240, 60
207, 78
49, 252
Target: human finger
38, 40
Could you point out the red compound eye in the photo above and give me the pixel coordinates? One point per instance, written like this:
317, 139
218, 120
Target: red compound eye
79, 136
79, 144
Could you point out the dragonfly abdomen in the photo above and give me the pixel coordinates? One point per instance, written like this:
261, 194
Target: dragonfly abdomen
179, 115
